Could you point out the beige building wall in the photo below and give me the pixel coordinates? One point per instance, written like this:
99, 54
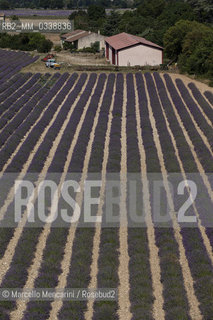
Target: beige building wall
91, 38
140, 55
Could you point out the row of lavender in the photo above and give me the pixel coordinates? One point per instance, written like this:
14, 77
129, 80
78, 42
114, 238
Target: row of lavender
42, 12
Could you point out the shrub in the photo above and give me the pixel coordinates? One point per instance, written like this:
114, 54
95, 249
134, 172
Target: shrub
57, 48
45, 46
69, 46
96, 46
87, 50
14, 18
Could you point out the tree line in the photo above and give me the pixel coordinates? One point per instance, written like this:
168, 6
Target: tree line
203, 9
25, 41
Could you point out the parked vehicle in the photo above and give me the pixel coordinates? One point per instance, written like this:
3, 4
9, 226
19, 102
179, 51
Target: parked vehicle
57, 66
52, 64
49, 56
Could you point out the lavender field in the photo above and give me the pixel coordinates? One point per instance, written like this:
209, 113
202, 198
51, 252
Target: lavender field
37, 12
106, 123
12, 62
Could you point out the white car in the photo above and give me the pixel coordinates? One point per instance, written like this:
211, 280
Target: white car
50, 63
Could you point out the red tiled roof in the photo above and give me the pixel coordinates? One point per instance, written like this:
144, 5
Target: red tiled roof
75, 35
124, 40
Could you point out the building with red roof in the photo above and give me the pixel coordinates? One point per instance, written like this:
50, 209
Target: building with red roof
82, 39
125, 49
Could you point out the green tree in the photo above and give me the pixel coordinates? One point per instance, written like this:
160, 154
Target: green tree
14, 18
175, 11
96, 46
106, 3
81, 20
111, 25
56, 4
35, 39
26, 42
197, 50
72, 4
96, 16
39, 42
174, 37
203, 9
191, 44
4, 5
152, 8
133, 23
172, 12
44, 45
96, 12
74, 14
44, 4
69, 46
209, 65
5, 40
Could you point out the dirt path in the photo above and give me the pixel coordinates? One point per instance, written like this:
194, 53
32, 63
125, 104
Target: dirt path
81, 59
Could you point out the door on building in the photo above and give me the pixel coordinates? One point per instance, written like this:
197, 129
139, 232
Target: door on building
107, 51
113, 56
